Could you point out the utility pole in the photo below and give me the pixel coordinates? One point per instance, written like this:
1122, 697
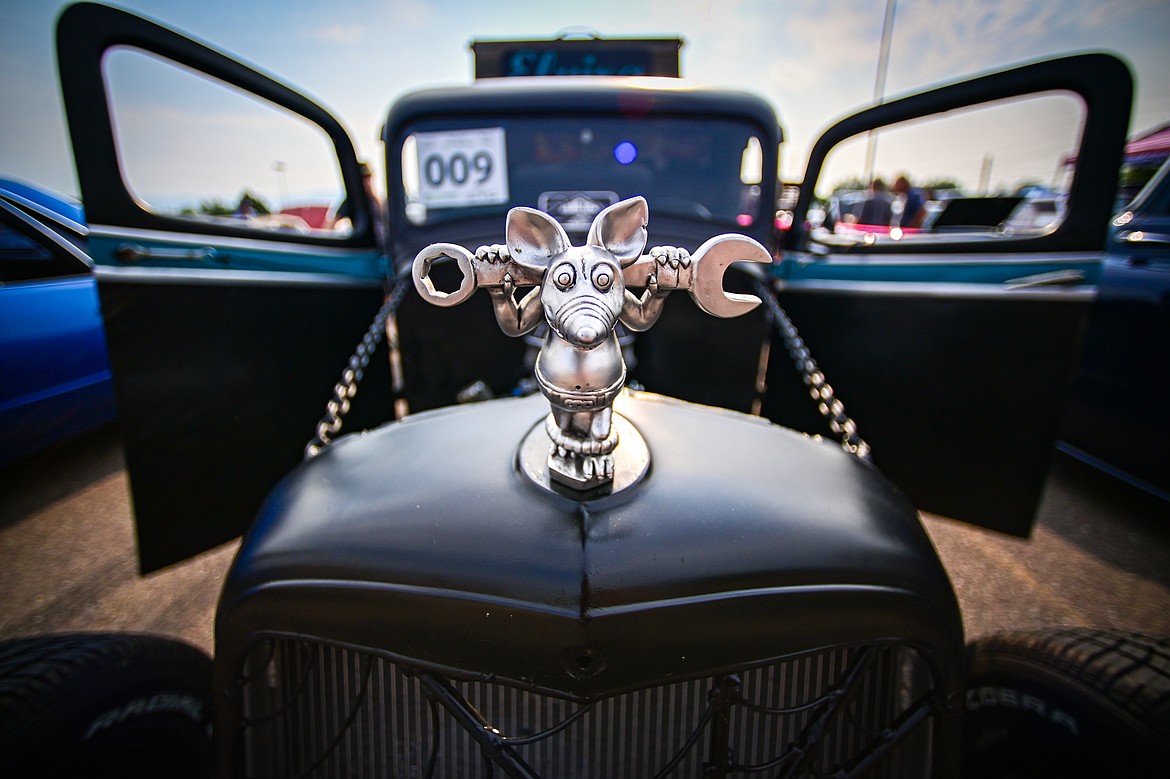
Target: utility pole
879, 85
281, 169
985, 174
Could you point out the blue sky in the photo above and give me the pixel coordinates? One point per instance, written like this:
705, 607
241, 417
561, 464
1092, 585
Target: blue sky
814, 60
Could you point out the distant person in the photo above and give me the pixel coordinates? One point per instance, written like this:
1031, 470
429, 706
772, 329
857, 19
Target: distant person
876, 210
913, 203
246, 208
831, 214
343, 218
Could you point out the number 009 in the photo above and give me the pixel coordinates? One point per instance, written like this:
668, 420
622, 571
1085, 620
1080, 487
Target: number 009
457, 169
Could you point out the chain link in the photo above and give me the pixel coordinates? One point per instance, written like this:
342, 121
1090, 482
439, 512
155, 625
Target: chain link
830, 406
345, 389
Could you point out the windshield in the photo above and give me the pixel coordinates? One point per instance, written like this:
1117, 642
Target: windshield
703, 169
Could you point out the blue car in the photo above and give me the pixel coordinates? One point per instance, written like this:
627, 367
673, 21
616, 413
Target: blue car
1114, 419
55, 378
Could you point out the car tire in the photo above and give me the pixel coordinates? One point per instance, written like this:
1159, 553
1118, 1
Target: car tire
104, 705
1067, 703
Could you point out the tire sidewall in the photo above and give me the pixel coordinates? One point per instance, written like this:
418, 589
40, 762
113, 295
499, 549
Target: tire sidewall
1025, 719
144, 712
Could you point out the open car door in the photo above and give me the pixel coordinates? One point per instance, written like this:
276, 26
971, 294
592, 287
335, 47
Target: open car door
952, 339
237, 268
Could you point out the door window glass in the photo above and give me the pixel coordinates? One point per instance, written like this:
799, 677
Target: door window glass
998, 169
25, 259
195, 148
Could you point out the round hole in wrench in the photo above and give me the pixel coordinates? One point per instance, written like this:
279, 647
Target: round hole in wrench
421, 272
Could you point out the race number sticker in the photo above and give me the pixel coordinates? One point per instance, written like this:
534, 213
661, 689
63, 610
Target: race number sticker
462, 168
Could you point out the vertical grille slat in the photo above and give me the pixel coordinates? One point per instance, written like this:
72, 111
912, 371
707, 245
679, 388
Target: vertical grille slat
310, 707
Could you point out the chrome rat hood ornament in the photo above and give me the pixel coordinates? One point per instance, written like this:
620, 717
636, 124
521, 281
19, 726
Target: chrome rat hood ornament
582, 293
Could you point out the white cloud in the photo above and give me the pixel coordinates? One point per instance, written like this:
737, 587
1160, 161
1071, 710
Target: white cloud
338, 33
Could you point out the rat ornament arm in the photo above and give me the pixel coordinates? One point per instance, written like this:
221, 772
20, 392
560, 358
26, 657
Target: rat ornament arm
641, 312
514, 317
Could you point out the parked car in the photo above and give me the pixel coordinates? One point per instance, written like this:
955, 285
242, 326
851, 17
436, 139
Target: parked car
1125, 363
56, 377
1038, 210
726, 597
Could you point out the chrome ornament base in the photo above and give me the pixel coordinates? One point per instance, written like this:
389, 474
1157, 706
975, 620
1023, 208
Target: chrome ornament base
544, 465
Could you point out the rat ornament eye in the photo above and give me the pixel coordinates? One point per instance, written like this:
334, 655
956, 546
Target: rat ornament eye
603, 278
564, 276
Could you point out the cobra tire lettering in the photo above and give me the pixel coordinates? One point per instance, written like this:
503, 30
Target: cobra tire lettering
163, 702
1008, 698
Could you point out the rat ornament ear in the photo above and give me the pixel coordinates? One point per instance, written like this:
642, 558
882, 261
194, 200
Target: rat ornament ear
534, 238
621, 229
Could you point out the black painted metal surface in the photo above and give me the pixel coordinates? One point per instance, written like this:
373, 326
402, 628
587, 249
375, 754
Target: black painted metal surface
422, 540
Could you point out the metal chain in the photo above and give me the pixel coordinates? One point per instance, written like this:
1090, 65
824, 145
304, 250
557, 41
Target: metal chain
830, 406
345, 389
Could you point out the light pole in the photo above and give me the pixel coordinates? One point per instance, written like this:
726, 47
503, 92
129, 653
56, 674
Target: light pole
879, 85
281, 181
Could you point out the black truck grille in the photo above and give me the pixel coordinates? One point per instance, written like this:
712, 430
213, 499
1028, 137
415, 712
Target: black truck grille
312, 709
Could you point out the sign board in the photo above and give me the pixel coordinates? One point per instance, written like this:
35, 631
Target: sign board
586, 56
459, 168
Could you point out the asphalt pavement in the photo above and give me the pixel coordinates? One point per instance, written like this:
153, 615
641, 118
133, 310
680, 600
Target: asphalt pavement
1098, 557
